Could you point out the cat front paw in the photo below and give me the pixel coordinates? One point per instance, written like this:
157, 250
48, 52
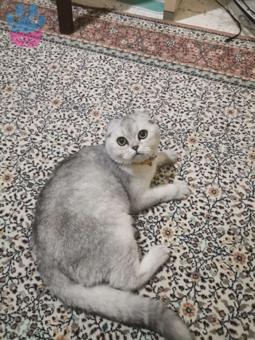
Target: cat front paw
160, 254
182, 190
171, 155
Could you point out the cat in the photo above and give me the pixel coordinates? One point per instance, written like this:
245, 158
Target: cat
83, 236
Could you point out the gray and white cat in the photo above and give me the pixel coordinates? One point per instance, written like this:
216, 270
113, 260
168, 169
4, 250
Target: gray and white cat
83, 235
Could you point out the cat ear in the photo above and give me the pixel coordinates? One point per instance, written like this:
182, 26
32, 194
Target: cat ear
111, 127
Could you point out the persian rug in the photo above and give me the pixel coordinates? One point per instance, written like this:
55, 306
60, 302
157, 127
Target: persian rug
58, 93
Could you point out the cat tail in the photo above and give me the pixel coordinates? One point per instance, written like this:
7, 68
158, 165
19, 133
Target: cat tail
120, 306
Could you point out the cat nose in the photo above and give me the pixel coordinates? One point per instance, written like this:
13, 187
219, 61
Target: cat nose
135, 147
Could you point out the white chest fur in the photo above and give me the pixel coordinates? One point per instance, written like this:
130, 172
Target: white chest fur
141, 176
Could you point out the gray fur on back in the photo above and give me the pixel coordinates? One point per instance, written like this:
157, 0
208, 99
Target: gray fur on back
73, 211
82, 232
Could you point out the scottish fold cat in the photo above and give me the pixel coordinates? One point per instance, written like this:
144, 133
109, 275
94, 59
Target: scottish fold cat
83, 236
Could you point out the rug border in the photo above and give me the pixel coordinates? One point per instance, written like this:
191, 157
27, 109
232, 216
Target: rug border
157, 62
142, 58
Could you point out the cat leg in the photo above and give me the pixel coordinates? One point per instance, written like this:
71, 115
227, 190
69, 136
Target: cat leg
132, 274
162, 193
166, 157
151, 263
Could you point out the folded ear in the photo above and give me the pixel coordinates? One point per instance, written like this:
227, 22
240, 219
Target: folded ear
142, 113
112, 126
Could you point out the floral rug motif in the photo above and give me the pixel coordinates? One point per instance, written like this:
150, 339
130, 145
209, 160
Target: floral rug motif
59, 96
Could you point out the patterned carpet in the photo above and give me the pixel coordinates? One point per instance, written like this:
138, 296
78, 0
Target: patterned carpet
60, 93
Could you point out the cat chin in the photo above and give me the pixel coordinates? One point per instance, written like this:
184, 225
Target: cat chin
121, 161
132, 159
128, 162
140, 158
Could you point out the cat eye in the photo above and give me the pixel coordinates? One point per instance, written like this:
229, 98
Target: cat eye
122, 141
142, 134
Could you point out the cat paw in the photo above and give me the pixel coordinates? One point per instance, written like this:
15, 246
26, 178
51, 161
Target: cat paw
182, 190
172, 156
160, 254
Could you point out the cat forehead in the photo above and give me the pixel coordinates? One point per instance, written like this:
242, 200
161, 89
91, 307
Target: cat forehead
130, 124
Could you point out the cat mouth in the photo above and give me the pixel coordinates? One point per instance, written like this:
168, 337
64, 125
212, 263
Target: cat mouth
138, 154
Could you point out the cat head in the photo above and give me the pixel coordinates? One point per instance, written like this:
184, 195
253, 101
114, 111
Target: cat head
132, 139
